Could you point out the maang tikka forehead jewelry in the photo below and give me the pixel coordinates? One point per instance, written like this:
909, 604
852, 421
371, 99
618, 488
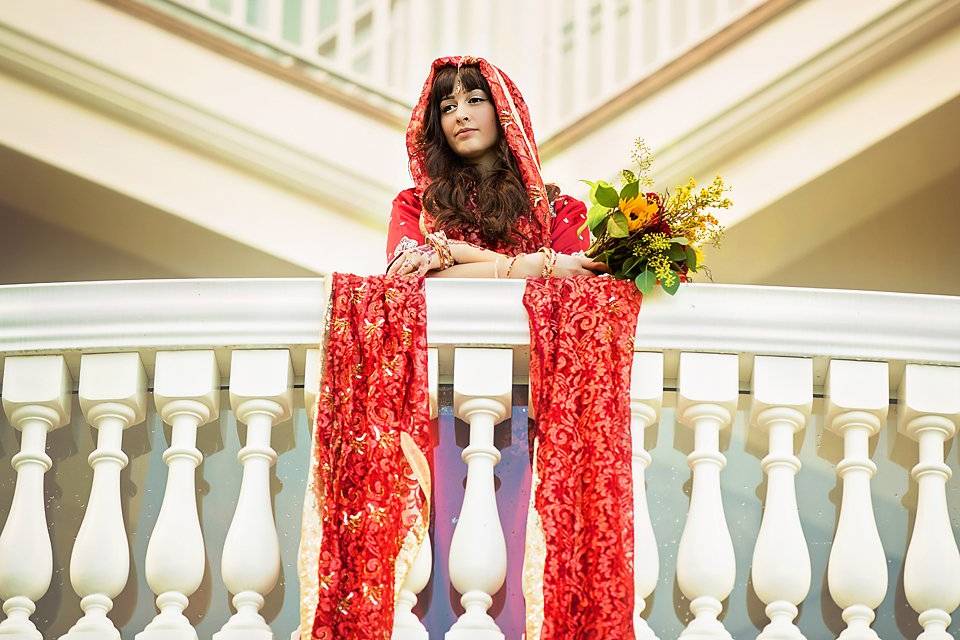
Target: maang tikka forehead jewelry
458, 84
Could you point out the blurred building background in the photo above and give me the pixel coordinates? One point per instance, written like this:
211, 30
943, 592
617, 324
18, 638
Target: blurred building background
186, 138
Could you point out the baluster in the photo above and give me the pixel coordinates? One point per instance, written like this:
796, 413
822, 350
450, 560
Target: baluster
187, 395
482, 396
646, 399
311, 385
261, 395
706, 567
782, 399
928, 412
113, 396
406, 625
36, 399
857, 397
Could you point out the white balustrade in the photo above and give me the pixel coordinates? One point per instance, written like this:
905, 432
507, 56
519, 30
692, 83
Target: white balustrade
113, 397
857, 396
36, 399
928, 411
646, 400
187, 395
261, 396
406, 625
706, 567
482, 396
782, 400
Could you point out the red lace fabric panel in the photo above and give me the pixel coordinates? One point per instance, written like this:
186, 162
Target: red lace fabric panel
581, 348
374, 388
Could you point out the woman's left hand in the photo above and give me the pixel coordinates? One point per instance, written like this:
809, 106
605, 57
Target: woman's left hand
412, 262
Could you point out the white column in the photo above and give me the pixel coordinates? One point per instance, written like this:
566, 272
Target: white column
646, 400
261, 396
419, 51
380, 47
238, 13
274, 20
581, 54
928, 411
113, 396
482, 396
706, 567
309, 28
346, 25
406, 625
664, 12
611, 48
857, 397
187, 395
782, 399
36, 399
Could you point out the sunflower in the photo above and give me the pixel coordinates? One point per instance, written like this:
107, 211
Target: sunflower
640, 212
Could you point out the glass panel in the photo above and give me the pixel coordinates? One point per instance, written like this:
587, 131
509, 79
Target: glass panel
292, 15
222, 6
328, 12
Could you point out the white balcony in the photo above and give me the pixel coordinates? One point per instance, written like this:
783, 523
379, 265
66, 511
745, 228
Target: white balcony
866, 376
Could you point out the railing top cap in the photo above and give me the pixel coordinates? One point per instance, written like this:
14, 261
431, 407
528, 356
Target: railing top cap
155, 314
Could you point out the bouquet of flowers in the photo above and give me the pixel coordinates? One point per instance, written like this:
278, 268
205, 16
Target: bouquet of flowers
653, 238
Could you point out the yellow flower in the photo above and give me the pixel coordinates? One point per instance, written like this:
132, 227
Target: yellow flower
697, 250
639, 211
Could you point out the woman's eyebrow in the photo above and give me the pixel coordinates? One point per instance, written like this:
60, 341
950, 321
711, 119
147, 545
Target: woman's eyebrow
452, 97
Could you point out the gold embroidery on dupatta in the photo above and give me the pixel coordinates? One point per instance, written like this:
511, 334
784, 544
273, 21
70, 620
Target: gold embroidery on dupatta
534, 560
311, 527
417, 533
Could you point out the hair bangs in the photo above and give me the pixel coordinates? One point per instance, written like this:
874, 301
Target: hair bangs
446, 77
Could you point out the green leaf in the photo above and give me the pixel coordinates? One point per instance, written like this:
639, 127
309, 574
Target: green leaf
677, 253
629, 264
617, 225
680, 240
607, 196
691, 259
628, 176
645, 281
593, 190
596, 217
630, 191
672, 289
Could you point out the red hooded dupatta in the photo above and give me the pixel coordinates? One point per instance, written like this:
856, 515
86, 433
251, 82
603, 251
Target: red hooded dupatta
535, 229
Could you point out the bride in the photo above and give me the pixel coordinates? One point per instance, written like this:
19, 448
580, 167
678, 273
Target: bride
479, 207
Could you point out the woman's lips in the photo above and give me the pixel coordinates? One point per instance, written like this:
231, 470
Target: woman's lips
465, 132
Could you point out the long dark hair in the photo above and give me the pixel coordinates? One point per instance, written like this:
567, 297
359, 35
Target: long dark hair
460, 194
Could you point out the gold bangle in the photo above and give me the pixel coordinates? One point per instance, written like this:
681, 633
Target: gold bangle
549, 261
510, 264
496, 268
438, 240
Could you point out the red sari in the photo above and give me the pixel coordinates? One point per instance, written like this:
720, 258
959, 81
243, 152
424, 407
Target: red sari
367, 502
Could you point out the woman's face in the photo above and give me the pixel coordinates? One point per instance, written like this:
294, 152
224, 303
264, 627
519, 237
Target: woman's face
469, 124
